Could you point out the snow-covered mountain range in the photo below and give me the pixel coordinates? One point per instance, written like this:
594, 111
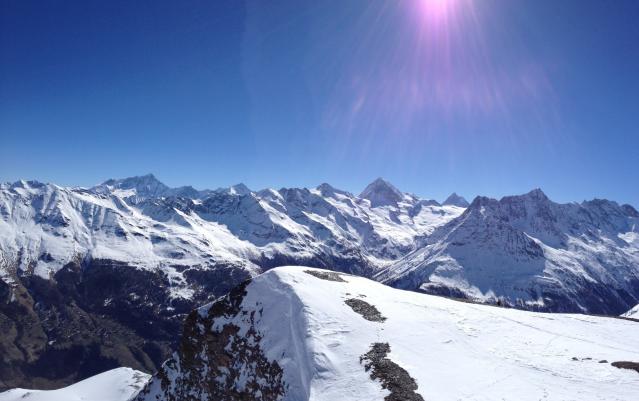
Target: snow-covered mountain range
296, 333
84, 270
530, 252
142, 222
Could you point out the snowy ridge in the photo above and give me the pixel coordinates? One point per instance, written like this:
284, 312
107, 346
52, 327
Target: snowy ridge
121, 384
531, 252
296, 333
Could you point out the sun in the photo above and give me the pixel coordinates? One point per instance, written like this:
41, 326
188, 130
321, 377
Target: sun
436, 9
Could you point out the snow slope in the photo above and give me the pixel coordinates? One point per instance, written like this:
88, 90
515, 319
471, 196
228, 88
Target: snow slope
633, 313
296, 333
120, 384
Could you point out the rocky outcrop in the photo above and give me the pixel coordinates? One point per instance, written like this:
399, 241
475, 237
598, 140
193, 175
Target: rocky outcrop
394, 378
220, 358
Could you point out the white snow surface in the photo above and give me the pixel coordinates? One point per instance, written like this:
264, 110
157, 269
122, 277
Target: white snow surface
454, 350
121, 384
632, 313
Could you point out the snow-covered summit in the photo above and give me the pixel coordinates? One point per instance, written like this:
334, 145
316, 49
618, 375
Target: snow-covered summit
239, 189
456, 200
296, 333
149, 187
381, 193
146, 186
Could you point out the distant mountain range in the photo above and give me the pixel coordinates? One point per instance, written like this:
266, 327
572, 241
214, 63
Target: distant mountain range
85, 270
529, 252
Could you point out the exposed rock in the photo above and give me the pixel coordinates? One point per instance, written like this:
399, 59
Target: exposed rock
626, 365
219, 360
393, 377
329, 276
368, 311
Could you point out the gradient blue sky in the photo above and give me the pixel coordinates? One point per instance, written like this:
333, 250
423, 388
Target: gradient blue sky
487, 97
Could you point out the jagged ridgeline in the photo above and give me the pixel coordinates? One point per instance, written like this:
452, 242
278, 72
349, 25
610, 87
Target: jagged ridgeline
95, 278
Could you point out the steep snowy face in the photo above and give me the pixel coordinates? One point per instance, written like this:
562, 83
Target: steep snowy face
296, 333
381, 193
456, 200
119, 384
529, 251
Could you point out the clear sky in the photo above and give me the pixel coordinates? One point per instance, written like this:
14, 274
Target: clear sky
487, 97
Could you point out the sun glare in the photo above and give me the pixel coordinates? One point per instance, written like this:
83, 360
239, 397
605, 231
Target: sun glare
436, 10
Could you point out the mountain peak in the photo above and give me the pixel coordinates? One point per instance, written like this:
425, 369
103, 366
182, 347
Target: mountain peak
326, 189
144, 185
456, 200
27, 184
537, 194
239, 189
329, 190
381, 193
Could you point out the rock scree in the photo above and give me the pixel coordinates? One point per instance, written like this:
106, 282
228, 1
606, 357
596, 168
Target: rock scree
393, 377
626, 365
368, 311
329, 276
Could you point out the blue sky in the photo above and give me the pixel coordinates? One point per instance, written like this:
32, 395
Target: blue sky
489, 97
